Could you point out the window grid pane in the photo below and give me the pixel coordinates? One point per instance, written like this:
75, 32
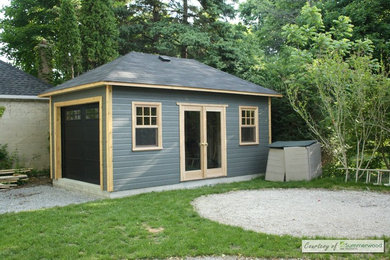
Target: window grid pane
73, 114
92, 113
248, 117
153, 111
139, 111
146, 111
146, 115
146, 126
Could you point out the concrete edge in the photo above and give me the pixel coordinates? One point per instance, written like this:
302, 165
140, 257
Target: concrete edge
79, 186
93, 189
184, 185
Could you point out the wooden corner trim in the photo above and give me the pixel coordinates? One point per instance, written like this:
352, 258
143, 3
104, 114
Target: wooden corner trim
269, 121
50, 139
109, 145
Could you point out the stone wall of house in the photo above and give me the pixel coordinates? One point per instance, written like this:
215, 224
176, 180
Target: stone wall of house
24, 127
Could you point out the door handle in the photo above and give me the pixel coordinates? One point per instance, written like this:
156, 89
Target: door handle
206, 144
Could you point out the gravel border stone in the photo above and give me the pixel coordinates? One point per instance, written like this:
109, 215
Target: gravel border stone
38, 197
301, 212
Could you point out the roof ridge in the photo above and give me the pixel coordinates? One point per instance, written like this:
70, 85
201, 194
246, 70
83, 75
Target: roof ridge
106, 73
203, 64
117, 61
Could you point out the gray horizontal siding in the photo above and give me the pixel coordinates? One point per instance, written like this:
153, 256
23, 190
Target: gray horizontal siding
154, 168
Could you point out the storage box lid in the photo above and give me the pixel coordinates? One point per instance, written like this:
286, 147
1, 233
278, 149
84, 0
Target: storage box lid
282, 144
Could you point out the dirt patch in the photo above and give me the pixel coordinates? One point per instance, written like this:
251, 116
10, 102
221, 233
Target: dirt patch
153, 230
38, 180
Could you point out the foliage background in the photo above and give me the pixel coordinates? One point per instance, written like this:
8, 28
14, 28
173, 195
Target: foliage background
272, 43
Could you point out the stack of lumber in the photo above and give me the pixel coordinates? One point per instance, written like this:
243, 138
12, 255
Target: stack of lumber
11, 177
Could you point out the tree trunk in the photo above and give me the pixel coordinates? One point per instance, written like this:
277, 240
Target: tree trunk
72, 71
384, 157
44, 61
183, 52
156, 18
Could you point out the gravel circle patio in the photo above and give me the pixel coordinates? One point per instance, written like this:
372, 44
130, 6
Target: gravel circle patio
38, 197
301, 212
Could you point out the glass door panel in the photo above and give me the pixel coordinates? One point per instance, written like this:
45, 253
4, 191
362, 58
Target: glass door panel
192, 140
213, 122
202, 141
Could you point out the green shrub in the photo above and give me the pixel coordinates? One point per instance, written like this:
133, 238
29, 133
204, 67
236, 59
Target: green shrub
2, 109
332, 170
39, 173
7, 160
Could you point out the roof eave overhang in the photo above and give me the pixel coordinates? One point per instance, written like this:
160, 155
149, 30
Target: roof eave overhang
23, 97
141, 85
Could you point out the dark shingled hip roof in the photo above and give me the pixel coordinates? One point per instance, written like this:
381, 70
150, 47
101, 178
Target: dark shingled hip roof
142, 68
13, 81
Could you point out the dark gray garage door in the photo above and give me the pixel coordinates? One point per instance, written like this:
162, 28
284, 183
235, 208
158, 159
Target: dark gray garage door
80, 142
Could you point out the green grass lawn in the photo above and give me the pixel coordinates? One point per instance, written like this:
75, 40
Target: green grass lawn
121, 228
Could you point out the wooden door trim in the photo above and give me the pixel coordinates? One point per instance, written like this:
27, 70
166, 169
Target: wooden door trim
57, 133
212, 173
202, 108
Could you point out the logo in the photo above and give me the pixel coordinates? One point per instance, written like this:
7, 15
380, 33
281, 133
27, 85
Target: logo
343, 246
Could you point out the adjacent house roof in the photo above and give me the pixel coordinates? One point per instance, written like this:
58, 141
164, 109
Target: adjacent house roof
147, 70
13, 82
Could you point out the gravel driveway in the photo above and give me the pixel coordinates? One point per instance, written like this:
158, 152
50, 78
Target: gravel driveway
301, 212
37, 197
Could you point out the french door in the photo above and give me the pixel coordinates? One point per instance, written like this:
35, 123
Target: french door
202, 141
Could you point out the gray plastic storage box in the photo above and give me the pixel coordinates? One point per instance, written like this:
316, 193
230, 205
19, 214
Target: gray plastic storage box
293, 161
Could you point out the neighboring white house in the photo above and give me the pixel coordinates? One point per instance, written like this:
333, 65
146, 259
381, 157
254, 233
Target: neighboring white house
24, 124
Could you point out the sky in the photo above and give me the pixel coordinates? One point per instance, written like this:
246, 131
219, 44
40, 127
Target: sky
4, 3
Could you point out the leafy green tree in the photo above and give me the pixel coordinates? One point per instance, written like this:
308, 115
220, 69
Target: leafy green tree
25, 24
69, 41
267, 17
339, 90
371, 20
352, 96
278, 69
99, 33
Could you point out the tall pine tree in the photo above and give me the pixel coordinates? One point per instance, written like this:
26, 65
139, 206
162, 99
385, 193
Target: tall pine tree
69, 41
99, 33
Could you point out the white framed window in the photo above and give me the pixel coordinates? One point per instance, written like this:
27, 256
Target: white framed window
147, 126
249, 125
